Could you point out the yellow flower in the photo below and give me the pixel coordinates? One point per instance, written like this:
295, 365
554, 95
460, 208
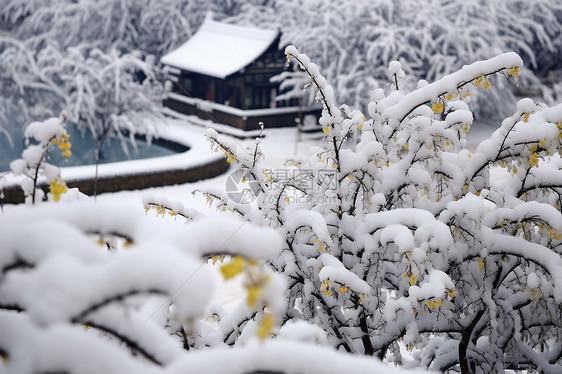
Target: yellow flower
57, 187
342, 289
515, 72
437, 107
526, 117
405, 146
413, 279
487, 85
324, 288
361, 127
350, 176
322, 247
86, 327
534, 160
267, 324
480, 263
451, 292
230, 159
67, 153
542, 142
478, 81
451, 96
326, 129
434, 303
254, 292
234, 268
536, 294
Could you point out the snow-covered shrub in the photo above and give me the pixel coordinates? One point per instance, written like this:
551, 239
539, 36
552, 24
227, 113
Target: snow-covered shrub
407, 239
33, 169
70, 305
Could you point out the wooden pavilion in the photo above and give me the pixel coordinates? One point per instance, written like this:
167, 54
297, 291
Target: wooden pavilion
223, 73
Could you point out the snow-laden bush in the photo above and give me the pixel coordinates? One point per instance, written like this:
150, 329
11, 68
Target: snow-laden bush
407, 239
32, 169
92, 287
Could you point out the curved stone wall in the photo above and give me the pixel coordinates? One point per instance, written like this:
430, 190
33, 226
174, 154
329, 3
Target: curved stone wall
14, 195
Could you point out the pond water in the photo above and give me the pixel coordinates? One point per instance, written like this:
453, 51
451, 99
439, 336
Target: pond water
83, 149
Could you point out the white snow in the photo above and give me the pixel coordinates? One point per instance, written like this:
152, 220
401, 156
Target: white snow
220, 49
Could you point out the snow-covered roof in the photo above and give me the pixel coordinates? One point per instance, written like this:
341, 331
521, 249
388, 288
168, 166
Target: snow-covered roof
219, 49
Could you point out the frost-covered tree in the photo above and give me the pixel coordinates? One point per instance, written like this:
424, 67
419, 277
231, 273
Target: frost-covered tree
353, 42
406, 239
45, 43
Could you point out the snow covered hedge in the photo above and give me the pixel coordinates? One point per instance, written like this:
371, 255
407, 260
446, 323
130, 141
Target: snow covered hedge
90, 287
70, 305
404, 240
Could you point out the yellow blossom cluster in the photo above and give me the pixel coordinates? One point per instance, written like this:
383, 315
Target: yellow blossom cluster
451, 292
266, 326
230, 157
481, 263
483, 81
57, 187
255, 282
536, 294
533, 160
515, 72
437, 107
160, 210
325, 288
268, 176
413, 279
434, 303
321, 245
554, 234
63, 144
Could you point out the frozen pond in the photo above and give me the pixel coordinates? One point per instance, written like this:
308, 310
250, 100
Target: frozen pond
83, 150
